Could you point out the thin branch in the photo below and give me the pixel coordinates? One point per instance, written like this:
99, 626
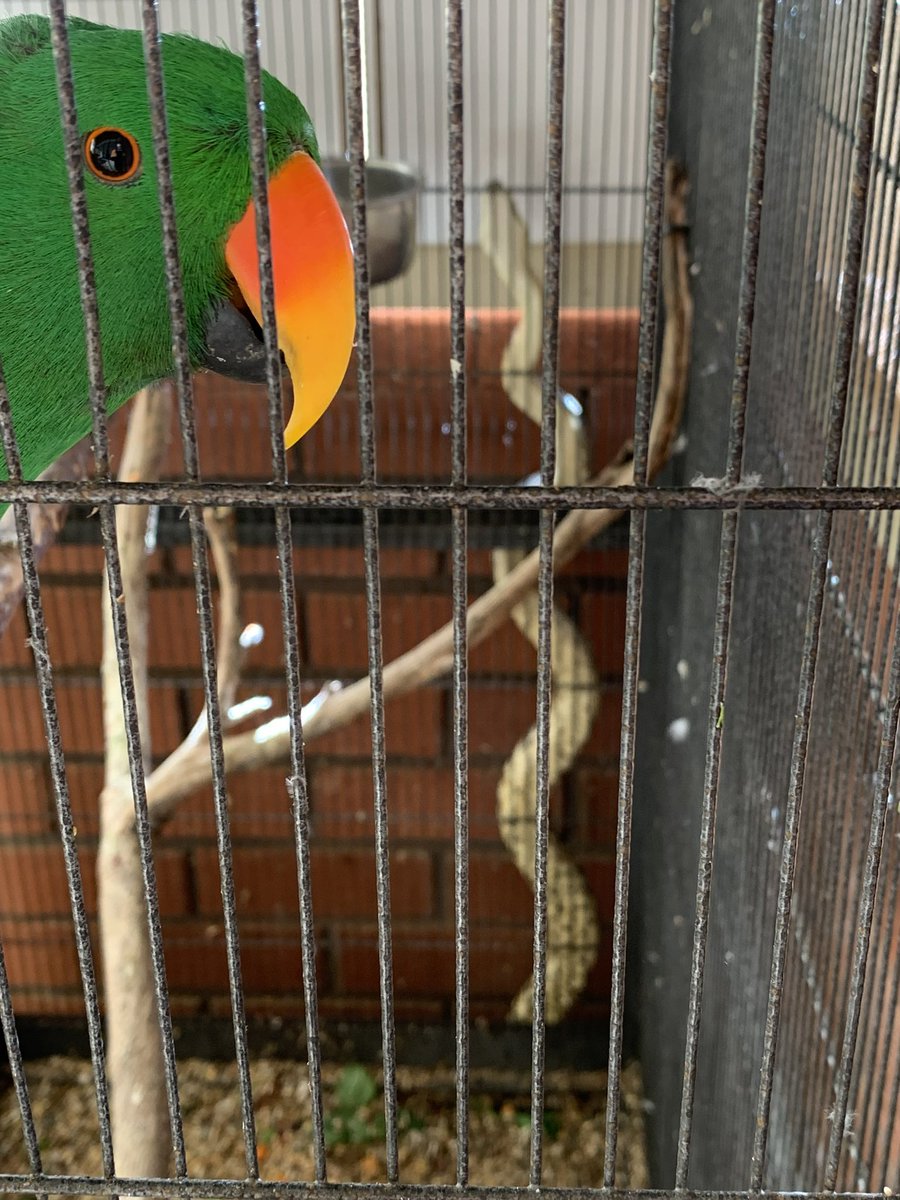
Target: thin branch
233, 641
221, 529
433, 657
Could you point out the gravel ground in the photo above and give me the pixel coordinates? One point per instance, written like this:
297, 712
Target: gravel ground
65, 1117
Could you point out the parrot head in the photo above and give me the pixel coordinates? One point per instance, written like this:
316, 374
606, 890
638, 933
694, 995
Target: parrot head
41, 326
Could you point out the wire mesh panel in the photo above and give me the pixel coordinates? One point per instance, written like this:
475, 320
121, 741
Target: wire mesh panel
803, 723
417, 738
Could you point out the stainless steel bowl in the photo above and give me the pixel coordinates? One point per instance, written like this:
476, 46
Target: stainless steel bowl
392, 192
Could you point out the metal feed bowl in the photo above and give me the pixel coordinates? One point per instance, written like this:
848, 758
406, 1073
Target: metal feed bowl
392, 193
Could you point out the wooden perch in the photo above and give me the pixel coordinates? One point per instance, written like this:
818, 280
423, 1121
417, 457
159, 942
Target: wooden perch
184, 772
139, 1113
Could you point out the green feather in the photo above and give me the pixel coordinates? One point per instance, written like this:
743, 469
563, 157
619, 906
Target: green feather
41, 325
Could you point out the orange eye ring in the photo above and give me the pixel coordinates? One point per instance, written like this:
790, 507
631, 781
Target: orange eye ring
112, 155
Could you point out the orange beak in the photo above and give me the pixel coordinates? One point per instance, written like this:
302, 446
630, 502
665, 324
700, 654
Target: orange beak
314, 295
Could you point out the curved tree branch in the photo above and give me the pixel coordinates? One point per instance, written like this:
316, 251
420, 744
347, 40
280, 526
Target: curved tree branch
186, 771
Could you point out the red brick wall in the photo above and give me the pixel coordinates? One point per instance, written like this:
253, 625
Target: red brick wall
412, 398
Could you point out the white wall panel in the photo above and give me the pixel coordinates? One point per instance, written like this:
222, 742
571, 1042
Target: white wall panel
505, 75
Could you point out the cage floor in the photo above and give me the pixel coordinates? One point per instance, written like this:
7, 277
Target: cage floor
62, 1097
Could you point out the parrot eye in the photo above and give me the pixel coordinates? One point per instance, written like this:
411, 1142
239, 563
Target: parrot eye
112, 155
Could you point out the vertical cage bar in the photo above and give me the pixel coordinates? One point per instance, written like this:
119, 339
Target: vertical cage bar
98, 400
556, 56
855, 231
353, 51
56, 757
456, 162
200, 559
764, 48
830, 107
654, 203
297, 783
17, 1066
849, 299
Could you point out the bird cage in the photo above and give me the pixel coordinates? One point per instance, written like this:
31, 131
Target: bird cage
563, 641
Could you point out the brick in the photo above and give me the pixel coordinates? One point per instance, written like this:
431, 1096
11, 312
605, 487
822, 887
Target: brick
503, 444
499, 716
271, 962
595, 806
611, 563
175, 627
33, 880
424, 963
498, 893
233, 430
14, 649
593, 341
290, 1007
196, 961
194, 819
602, 618
346, 562
74, 616
178, 570
80, 716
343, 882
167, 726
81, 713
420, 801
600, 340
336, 626
174, 639
25, 799
606, 734
506, 651
263, 608
258, 807
63, 559
20, 717
600, 876
608, 563
609, 410
85, 784
410, 347
40, 954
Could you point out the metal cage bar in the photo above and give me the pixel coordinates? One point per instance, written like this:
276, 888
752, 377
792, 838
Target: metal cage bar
460, 588
98, 400
350, 28
556, 48
200, 563
298, 785
74, 881
821, 543
650, 288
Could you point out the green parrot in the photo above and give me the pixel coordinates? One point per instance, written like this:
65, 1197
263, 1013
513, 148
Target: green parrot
41, 325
